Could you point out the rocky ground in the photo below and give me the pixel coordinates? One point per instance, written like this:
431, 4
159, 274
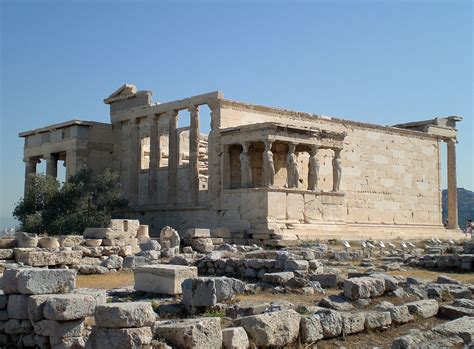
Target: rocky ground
195, 293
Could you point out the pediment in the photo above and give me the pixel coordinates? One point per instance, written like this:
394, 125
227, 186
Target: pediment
123, 92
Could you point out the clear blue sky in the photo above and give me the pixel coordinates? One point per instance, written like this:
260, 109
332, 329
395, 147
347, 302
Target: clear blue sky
383, 62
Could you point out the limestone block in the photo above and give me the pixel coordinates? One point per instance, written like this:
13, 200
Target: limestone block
279, 328
352, 322
425, 308
17, 307
117, 315
295, 207
27, 240
235, 338
35, 307
311, 329
37, 258
15, 326
44, 281
377, 320
197, 233
120, 242
400, 314
191, 333
6, 253
10, 281
462, 327
336, 302
208, 291
70, 240
128, 226
363, 287
162, 278
48, 242
104, 233
112, 262
88, 269
67, 343
203, 245
119, 338
60, 329
131, 262
292, 265
150, 245
327, 280
280, 278
331, 322
64, 307
220, 232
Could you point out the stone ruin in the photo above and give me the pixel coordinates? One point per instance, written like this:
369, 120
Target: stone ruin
271, 176
190, 291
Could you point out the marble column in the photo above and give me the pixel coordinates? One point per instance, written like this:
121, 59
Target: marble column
452, 186
194, 154
134, 165
30, 168
51, 165
154, 160
75, 160
173, 153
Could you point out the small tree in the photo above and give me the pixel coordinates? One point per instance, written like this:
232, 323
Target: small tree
86, 200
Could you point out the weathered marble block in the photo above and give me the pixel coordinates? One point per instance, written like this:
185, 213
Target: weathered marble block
162, 278
117, 315
44, 281
38, 258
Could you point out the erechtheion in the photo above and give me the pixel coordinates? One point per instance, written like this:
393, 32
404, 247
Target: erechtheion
273, 174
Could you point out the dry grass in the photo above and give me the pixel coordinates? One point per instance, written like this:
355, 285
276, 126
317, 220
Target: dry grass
105, 281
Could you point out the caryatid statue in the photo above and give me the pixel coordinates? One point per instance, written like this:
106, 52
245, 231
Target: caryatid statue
292, 167
268, 166
336, 170
245, 167
313, 168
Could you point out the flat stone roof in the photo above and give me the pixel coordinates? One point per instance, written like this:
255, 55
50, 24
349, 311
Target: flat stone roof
60, 125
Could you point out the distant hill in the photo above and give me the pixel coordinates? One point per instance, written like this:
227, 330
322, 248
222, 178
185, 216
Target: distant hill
465, 206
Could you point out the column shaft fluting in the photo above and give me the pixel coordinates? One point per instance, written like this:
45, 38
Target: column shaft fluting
194, 154
452, 187
173, 153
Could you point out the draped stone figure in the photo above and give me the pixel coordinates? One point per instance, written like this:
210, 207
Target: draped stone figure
292, 167
245, 168
268, 166
313, 168
336, 170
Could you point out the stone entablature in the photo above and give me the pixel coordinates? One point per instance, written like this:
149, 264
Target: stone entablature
262, 168
77, 143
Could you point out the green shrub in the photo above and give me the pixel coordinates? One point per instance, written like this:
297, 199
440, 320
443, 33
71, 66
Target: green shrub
85, 200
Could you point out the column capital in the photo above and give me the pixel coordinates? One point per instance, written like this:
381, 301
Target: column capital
193, 108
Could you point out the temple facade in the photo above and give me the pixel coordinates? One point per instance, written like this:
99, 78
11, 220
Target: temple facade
267, 174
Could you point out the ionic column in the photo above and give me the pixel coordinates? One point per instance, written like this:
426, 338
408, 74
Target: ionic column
452, 186
51, 165
134, 167
154, 160
194, 154
173, 153
30, 168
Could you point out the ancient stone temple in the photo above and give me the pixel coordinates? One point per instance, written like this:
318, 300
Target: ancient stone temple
270, 174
